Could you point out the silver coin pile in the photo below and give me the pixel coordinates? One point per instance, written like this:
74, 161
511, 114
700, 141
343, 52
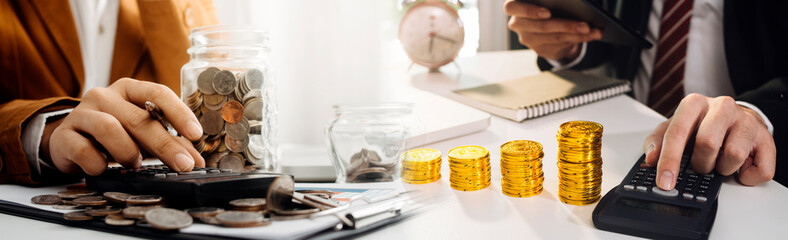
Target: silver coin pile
121, 209
367, 166
230, 108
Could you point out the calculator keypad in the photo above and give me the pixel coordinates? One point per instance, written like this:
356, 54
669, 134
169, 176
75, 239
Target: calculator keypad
689, 184
162, 171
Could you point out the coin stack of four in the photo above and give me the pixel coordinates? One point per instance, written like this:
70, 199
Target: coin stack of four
580, 162
521, 168
470, 168
420, 166
229, 107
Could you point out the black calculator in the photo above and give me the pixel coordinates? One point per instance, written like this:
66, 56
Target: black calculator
199, 187
638, 207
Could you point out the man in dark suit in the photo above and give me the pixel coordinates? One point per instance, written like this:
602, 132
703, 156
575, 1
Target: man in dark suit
733, 51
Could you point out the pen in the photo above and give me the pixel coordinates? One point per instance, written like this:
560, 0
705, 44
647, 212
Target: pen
156, 113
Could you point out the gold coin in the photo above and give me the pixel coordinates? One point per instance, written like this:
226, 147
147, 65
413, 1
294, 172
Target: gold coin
469, 152
421, 155
524, 148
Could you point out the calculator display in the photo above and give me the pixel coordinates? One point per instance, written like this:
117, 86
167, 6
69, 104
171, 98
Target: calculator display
659, 207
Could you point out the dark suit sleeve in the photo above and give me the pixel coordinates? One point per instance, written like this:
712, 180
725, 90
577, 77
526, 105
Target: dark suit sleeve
770, 99
596, 53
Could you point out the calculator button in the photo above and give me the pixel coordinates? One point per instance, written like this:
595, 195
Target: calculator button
701, 199
172, 174
193, 172
160, 175
688, 196
642, 189
215, 171
227, 170
629, 187
671, 193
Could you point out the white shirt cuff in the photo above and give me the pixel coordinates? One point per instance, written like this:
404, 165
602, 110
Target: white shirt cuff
757, 110
558, 66
31, 138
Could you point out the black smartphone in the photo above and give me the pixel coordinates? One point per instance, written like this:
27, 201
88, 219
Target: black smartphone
613, 31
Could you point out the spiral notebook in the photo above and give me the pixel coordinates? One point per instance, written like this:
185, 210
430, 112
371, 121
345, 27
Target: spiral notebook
542, 94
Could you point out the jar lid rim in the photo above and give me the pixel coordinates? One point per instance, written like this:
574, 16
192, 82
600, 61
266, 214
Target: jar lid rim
374, 106
213, 28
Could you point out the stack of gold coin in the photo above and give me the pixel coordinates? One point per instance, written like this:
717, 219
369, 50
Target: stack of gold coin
420, 166
579, 162
521, 168
470, 168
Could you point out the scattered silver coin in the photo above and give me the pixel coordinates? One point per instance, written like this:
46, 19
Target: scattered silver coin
72, 194
137, 212
168, 218
77, 216
118, 220
90, 201
48, 199
202, 212
144, 200
240, 218
117, 197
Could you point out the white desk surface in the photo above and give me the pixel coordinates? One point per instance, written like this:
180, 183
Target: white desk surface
744, 212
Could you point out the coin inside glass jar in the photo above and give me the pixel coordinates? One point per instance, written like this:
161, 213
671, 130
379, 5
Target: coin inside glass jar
253, 109
212, 122
235, 145
253, 79
232, 161
232, 112
237, 130
205, 80
224, 82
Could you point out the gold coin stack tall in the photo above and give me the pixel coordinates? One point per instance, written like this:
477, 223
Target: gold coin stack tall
420, 166
579, 162
521, 168
470, 168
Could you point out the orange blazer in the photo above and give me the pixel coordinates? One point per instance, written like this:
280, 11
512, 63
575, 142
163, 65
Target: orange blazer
41, 63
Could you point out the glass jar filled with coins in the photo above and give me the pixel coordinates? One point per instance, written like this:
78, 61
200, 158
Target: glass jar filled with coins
228, 84
366, 141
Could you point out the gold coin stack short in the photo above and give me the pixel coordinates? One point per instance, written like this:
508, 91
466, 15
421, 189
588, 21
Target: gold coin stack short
420, 166
470, 168
521, 168
579, 162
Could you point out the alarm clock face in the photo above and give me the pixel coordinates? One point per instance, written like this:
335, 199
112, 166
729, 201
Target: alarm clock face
431, 34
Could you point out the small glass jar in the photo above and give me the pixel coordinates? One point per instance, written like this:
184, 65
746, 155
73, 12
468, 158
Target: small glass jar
229, 85
366, 141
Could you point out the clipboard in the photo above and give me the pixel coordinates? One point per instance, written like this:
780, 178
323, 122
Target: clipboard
613, 31
364, 218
